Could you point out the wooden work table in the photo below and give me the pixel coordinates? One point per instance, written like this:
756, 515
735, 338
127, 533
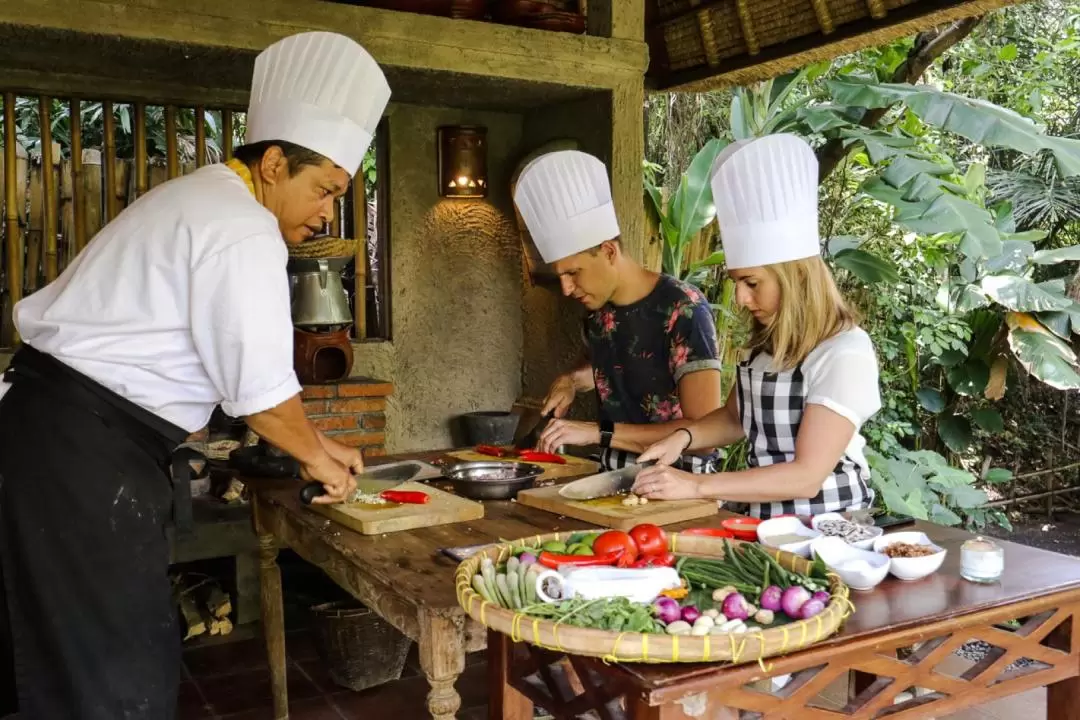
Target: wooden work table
405, 578
402, 576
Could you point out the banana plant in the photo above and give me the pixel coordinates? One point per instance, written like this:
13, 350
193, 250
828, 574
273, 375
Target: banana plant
687, 213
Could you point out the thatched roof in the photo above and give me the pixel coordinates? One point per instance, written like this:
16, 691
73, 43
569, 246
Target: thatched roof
699, 45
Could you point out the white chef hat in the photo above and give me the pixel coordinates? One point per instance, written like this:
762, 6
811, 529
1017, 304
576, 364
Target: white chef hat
321, 91
766, 196
564, 198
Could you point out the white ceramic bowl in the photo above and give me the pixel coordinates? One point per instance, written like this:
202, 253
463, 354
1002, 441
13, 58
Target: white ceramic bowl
859, 569
787, 526
911, 568
867, 544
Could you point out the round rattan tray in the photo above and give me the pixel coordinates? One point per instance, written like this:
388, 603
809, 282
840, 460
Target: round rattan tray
654, 647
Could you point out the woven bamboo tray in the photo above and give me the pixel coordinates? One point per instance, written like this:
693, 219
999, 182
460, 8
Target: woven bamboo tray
655, 647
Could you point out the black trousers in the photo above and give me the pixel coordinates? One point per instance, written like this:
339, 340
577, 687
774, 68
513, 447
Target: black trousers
83, 510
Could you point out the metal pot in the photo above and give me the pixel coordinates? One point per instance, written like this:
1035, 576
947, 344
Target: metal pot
318, 296
491, 480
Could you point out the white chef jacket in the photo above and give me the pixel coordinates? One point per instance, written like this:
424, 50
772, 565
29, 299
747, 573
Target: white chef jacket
179, 304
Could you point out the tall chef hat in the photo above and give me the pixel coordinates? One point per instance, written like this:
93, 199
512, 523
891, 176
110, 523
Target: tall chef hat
321, 91
766, 197
564, 198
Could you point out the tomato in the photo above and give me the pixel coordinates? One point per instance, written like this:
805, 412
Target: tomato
649, 539
614, 541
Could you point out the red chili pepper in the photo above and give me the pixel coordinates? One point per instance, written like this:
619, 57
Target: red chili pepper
647, 561
553, 560
541, 457
491, 450
408, 497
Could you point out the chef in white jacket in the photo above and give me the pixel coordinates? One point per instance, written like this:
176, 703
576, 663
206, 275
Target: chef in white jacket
178, 305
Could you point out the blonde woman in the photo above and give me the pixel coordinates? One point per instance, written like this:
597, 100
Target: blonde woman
811, 377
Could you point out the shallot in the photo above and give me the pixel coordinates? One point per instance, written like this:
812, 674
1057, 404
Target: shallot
770, 598
822, 596
690, 613
735, 607
667, 609
526, 558
793, 599
811, 608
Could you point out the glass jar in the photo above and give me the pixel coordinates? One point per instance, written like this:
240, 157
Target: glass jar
981, 560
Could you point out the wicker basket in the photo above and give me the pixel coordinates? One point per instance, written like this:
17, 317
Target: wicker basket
359, 649
654, 647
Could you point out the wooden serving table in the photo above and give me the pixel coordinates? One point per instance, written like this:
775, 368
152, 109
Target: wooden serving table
402, 576
938, 614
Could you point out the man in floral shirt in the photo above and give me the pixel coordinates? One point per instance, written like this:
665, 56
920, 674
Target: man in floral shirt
651, 340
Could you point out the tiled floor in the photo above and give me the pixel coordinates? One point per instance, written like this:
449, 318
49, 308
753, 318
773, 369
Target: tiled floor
231, 682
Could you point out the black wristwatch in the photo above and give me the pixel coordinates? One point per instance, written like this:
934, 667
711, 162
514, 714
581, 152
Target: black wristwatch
607, 431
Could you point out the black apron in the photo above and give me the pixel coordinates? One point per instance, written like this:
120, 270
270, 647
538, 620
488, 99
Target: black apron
85, 497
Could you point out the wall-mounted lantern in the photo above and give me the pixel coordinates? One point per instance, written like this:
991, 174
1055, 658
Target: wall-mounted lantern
463, 161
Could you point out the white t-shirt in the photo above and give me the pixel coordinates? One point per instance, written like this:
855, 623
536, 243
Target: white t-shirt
841, 373
179, 304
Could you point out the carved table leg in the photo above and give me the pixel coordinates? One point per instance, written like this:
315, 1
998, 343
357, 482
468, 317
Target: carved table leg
442, 658
273, 620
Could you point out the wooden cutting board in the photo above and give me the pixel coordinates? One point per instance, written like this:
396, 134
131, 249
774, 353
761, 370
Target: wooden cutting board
443, 509
611, 513
574, 467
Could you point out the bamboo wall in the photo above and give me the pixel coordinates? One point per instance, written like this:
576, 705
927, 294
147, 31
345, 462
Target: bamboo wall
50, 216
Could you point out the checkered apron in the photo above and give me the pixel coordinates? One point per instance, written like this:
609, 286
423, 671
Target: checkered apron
771, 408
612, 459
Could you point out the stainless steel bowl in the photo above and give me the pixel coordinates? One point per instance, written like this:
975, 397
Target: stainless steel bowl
491, 480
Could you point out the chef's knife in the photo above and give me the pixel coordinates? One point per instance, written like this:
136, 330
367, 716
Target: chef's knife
529, 440
372, 482
605, 484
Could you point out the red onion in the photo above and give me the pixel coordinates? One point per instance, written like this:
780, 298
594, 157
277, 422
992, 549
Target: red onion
793, 599
770, 598
667, 609
821, 595
735, 607
527, 558
811, 608
690, 614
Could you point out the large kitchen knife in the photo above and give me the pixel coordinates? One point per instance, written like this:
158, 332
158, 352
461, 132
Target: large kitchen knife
372, 482
529, 440
605, 484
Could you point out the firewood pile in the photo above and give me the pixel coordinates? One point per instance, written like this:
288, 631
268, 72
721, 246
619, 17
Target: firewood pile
203, 606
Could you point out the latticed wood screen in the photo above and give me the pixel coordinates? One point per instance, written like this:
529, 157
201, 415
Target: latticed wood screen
102, 155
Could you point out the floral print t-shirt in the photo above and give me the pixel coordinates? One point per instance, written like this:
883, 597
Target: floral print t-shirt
639, 352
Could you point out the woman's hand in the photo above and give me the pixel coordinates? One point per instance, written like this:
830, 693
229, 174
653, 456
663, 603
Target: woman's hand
667, 483
667, 451
568, 432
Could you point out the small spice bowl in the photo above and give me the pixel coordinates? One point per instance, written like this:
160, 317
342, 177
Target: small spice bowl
743, 528
913, 568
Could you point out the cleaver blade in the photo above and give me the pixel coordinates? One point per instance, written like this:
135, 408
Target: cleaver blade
605, 484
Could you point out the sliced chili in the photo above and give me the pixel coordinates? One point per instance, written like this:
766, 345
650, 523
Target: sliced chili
554, 560
408, 497
491, 450
541, 457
